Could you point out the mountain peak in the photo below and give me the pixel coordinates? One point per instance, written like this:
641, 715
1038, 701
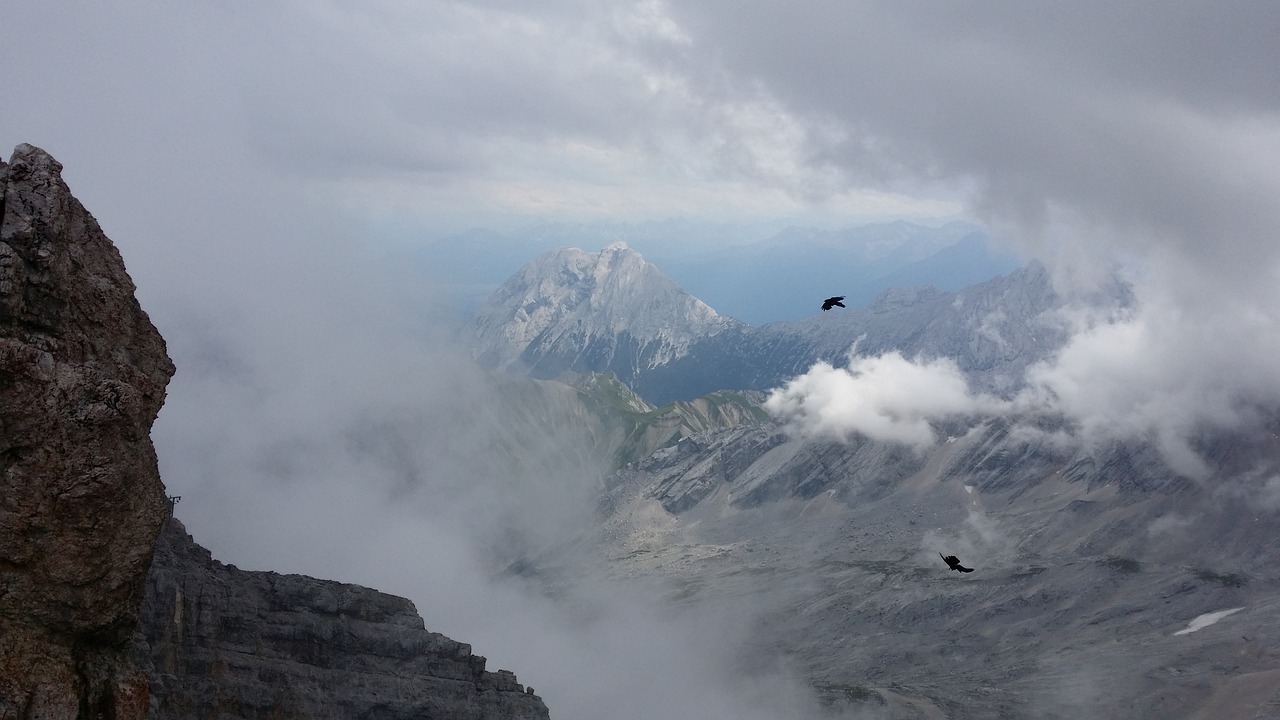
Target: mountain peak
571, 310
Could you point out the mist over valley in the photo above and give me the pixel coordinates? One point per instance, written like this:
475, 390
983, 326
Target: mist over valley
501, 386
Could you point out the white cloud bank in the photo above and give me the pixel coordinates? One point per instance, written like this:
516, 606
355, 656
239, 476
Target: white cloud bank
1167, 373
886, 397
1164, 372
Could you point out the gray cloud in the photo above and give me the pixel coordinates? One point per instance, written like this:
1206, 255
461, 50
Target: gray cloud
1096, 135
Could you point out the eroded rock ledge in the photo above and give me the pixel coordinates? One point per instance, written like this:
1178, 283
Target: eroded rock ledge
225, 642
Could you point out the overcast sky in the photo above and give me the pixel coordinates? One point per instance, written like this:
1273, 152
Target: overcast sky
252, 160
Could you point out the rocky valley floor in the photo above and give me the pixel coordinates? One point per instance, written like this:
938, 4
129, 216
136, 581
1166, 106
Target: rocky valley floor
1085, 601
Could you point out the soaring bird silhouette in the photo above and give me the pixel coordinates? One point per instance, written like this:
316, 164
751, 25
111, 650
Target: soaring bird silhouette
953, 562
832, 302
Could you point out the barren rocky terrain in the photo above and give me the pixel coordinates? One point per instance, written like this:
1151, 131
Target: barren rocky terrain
1091, 567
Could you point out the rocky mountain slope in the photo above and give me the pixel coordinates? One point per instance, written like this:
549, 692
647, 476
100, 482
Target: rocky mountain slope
580, 312
643, 428
1107, 585
224, 642
82, 377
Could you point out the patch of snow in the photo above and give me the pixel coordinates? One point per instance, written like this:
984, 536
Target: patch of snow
968, 489
1206, 620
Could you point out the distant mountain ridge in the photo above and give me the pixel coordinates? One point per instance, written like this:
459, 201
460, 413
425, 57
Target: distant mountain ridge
576, 312
755, 273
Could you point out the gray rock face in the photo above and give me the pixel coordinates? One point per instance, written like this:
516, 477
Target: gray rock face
645, 428
229, 643
82, 377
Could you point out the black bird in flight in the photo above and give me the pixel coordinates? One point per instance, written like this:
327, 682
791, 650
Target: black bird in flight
832, 302
953, 562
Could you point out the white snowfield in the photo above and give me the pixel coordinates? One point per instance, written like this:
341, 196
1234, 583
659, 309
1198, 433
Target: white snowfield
1206, 620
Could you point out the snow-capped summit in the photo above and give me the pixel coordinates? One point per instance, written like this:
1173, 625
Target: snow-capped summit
578, 311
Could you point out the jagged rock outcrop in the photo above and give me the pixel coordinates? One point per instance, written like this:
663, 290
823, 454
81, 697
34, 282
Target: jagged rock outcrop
230, 643
82, 376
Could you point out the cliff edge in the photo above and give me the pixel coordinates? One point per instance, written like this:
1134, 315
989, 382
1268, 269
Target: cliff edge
82, 508
82, 376
231, 643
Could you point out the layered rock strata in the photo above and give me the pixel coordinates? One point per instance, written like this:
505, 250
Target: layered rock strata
82, 376
230, 643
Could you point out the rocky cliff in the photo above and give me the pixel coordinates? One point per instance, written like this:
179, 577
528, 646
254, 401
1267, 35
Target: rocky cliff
83, 374
228, 643
82, 377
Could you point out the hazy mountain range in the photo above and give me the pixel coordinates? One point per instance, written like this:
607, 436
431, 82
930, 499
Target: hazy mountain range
570, 311
756, 274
